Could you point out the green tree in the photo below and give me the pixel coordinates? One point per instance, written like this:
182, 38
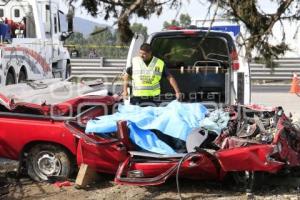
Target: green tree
76, 42
104, 36
75, 39
139, 28
172, 23
101, 42
185, 20
105, 43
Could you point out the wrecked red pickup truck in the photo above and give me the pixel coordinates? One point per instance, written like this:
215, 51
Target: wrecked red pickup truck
48, 139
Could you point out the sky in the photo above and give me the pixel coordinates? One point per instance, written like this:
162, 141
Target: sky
197, 9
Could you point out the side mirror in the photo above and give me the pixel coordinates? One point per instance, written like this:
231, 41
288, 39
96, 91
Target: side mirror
65, 35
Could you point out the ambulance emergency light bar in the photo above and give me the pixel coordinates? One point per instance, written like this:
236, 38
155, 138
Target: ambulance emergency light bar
235, 29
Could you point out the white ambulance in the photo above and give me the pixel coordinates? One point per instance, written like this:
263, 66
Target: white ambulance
205, 64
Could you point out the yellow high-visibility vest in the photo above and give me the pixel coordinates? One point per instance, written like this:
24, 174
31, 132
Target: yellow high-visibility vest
146, 79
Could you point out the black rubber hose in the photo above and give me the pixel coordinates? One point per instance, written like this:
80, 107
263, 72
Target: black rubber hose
188, 155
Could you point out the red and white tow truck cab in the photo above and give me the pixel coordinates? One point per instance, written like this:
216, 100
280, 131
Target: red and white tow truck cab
32, 41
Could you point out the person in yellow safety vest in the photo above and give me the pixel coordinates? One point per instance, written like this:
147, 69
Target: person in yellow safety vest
146, 73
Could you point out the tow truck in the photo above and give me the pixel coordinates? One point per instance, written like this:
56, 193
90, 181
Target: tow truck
31, 39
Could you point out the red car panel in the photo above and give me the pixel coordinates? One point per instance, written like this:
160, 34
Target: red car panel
104, 157
17, 132
251, 158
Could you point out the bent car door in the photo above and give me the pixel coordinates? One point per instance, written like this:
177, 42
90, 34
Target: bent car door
143, 168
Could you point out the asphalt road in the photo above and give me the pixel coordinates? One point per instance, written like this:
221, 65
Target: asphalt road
276, 96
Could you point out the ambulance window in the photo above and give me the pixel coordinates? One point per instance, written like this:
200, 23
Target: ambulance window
17, 13
1, 12
55, 24
48, 22
185, 51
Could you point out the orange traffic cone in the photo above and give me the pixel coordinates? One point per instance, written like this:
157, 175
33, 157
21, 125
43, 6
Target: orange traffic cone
295, 88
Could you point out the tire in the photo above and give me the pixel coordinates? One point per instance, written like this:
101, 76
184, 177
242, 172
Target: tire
10, 79
249, 180
22, 77
68, 71
46, 160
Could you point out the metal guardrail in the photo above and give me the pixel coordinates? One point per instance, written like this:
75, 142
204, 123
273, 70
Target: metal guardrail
105, 68
283, 69
108, 69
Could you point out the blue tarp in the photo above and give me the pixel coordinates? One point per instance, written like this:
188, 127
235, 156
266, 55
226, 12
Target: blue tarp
176, 119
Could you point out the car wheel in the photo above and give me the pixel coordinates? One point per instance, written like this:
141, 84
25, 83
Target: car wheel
46, 160
249, 180
10, 79
68, 71
22, 77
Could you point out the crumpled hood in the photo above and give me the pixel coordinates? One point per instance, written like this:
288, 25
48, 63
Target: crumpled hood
45, 93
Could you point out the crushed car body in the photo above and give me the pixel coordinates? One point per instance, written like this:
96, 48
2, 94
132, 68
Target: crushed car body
258, 141
255, 139
50, 95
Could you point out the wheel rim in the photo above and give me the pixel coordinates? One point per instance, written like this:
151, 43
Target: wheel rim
47, 164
